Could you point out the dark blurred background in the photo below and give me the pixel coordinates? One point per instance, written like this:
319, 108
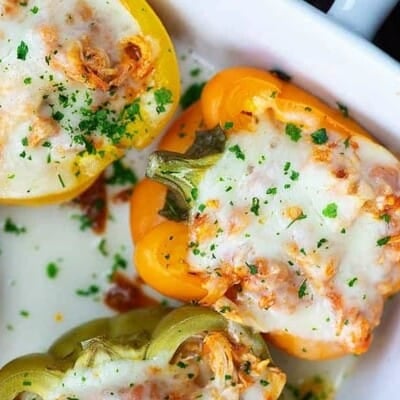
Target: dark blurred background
387, 38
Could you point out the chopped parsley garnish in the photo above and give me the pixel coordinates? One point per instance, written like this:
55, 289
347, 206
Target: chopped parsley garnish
383, 241
228, 125
255, 206
320, 136
34, 10
181, 364
347, 143
22, 51
303, 289
286, 167
195, 72
252, 268
61, 181
52, 270
202, 207
103, 247
352, 281
272, 190
57, 116
343, 231
24, 141
162, 97
321, 242
330, 211
385, 217
263, 382
84, 221
28, 80
299, 218
90, 291
24, 313
191, 95
121, 174
237, 151
119, 263
224, 309
11, 227
294, 176
343, 109
293, 131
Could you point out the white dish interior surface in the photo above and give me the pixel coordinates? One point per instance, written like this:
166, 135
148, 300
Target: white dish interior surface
284, 34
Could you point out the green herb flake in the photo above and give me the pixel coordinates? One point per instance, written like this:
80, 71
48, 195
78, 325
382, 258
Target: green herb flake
343, 109
202, 207
330, 211
352, 282
286, 167
11, 227
383, 241
181, 364
255, 206
264, 383
26, 383
22, 51
121, 174
347, 143
118, 264
102, 247
57, 116
228, 125
52, 270
90, 291
294, 176
61, 181
320, 136
237, 151
34, 10
27, 80
195, 72
272, 190
385, 217
321, 242
24, 313
302, 289
162, 97
252, 268
293, 131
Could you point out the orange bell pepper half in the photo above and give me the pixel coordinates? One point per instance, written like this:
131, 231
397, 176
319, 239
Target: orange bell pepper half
231, 99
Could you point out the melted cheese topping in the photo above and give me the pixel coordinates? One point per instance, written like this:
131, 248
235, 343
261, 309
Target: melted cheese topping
309, 232
69, 79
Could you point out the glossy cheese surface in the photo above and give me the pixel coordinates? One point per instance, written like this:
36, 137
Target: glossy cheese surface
306, 224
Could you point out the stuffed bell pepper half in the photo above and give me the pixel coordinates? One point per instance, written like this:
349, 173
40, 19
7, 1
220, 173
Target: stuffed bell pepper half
276, 210
155, 353
81, 82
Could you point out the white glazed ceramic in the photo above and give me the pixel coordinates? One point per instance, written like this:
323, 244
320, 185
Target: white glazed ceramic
361, 16
322, 57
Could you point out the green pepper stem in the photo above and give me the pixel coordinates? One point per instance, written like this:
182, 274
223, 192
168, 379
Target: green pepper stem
180, 173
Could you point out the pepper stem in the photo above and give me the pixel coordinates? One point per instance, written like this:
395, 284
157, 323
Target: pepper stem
180, 173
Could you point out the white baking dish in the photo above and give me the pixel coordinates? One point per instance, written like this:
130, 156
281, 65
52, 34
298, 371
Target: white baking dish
322, 57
